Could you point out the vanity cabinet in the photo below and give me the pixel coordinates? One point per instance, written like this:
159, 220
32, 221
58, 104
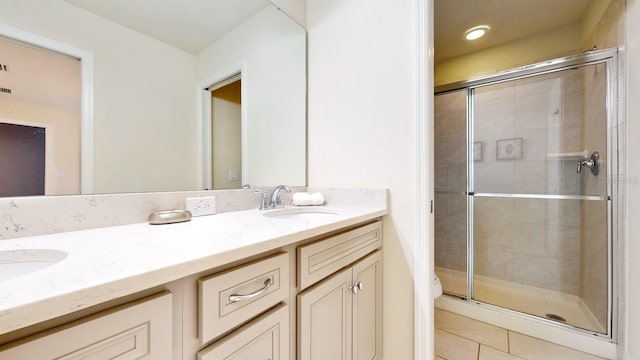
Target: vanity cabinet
243, 312
316, 299
233, 297
340, 317
264, 338
139, 330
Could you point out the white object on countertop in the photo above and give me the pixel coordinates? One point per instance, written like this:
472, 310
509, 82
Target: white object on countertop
307, 199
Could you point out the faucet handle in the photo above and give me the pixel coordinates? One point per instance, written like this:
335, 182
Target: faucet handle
264, 203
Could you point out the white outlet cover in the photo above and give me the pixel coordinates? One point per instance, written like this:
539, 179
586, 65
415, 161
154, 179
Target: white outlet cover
200, 206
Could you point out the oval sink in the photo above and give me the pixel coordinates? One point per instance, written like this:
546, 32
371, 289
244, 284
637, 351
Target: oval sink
302, 213
15, 263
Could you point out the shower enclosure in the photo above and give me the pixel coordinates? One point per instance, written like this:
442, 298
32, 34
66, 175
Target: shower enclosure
523, 191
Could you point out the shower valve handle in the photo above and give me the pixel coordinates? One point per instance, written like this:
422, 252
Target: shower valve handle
587, 163
592, 162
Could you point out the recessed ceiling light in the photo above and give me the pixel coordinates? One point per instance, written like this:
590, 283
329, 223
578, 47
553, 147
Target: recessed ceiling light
476, 32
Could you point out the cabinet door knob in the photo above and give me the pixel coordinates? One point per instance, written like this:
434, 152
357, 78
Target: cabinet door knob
356, 287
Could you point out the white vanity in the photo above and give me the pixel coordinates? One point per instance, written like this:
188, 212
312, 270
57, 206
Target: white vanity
236, 285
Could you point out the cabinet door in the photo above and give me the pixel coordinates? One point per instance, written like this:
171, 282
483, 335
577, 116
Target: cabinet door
140, 330
324, 319
367, 308
264, 338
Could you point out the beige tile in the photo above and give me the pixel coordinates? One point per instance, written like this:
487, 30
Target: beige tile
472, 329
440, 358
487, 353
535, 349
453, 347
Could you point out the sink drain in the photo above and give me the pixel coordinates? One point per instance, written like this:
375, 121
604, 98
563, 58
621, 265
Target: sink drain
555, 317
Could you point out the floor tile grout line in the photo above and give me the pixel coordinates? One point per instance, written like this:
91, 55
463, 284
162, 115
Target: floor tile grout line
476, 341
465, 318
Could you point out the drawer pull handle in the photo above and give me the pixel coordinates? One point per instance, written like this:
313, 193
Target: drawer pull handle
235, 298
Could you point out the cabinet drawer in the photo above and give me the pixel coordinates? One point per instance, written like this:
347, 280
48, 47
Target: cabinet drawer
322, 258
265, 338
141, 330
231, 298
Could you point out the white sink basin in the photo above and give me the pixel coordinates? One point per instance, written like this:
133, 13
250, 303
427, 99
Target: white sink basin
302, 213
15, 263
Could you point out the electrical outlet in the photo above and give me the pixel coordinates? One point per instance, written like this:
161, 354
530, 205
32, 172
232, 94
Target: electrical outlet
200, 206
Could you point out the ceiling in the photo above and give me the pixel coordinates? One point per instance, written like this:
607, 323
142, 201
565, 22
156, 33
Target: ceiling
189, 25
195, 24
509, 20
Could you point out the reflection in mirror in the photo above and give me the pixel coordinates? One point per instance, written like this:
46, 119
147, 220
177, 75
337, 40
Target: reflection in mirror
39, 121
226, 137
148, 125
272, 99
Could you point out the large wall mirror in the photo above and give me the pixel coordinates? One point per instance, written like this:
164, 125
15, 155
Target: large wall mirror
151, 102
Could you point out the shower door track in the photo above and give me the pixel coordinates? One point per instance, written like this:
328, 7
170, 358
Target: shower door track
588, 58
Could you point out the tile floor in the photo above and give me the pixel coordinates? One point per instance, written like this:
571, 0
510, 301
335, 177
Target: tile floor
462, 338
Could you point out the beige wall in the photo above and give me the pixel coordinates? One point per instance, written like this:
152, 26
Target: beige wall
548, 45
362, 130
65, 138
567, 40
144, 104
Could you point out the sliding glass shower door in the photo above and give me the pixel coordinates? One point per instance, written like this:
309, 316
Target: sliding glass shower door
536, 220
450, 132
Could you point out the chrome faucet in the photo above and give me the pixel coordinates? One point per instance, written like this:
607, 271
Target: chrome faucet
275, 196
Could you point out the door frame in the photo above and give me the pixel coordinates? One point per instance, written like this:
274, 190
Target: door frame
204, 125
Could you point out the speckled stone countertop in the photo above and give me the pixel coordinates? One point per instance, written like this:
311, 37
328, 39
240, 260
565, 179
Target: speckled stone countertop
111, 262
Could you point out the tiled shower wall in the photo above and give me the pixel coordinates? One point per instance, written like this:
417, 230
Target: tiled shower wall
532, 242
529, 241
535, 242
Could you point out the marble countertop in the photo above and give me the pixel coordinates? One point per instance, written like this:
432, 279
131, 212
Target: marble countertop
108, 263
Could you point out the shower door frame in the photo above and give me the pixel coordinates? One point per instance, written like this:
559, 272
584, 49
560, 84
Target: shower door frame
609, 58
